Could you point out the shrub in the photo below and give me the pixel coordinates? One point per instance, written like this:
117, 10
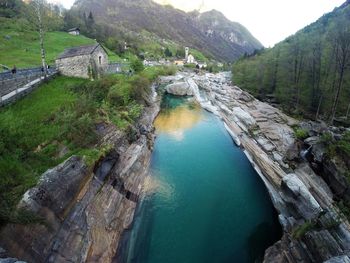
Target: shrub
137, 65
301, 134
140, 88
301, 230
119, 94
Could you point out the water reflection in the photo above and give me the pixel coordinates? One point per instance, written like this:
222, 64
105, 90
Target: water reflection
154, 184
177, 118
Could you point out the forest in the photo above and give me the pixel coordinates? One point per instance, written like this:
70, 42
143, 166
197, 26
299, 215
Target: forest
307, 74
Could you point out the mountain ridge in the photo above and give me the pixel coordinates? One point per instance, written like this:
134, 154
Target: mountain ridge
210, 32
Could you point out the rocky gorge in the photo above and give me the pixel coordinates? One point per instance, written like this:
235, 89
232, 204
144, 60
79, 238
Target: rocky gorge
87, 210
314, 228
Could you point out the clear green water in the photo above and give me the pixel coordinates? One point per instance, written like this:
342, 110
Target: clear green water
205, 201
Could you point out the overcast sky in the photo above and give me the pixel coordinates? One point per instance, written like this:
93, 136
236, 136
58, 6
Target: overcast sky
270, 21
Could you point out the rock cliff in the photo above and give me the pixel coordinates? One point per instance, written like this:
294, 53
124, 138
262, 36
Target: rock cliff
86, 209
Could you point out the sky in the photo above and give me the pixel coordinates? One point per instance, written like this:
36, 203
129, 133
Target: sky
270, 21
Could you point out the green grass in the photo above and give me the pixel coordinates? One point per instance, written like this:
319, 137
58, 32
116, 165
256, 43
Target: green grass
301, 134
21, 47
29, 140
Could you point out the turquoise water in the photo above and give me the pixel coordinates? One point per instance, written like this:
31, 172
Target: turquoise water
205, 202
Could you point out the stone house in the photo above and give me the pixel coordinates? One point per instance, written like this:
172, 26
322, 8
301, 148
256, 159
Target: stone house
74, 31
190, 59
84, 61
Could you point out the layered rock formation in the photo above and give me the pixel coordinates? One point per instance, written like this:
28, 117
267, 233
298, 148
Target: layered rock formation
86, 210
314, 230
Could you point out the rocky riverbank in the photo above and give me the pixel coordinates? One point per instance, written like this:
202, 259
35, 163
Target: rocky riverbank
86, 210
314, 230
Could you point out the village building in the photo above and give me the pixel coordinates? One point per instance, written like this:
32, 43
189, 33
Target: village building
74, 31
179, 63
190, 59
84, 61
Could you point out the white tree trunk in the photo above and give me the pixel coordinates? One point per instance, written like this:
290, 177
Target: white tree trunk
39, 6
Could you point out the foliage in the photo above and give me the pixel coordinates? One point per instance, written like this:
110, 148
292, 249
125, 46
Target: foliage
28, 142
213, 68
307, 73
168, 53
10, 8
344, 145
137, 65
344, 208
301, 230
315, 224
301, 134
63, 114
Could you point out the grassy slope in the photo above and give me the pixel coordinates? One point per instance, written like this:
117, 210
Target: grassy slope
61, 115
24, 126
22, 48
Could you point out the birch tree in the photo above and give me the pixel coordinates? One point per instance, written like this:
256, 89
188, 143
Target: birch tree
36, 15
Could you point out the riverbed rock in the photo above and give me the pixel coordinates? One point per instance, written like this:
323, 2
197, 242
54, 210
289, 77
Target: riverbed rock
265, 144
57, 187
340, 259
179, 89
244, 117
2, 252
9, 260
299, 197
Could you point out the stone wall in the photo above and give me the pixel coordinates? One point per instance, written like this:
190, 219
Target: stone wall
10, 82
74, 66
78, 66
9, 85
23, 90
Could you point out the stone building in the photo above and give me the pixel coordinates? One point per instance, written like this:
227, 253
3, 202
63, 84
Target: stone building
190, 59
74, 31
84, 62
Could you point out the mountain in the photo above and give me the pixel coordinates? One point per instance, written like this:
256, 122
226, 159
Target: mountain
210, 32
308, 73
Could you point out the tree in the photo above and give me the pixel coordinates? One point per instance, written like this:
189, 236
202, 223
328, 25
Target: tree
37, 14
341, 43
39, 6
10, 8
137, 65
168, 53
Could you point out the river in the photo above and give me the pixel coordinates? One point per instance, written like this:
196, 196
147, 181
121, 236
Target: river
203, 201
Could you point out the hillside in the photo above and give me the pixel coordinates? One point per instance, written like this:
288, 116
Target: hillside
210, 32
307, 73
21, 47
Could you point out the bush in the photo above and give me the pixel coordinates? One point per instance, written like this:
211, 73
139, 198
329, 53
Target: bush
301, 134
119, 94
301, 230
137, 65
140, 88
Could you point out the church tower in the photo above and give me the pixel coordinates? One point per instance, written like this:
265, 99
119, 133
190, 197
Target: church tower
187, 50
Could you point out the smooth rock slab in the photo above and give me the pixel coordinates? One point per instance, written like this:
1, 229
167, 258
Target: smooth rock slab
179, 89
341, 259
243, 116
300, 197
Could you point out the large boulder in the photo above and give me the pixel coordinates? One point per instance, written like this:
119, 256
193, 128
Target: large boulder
179, 89
57, 187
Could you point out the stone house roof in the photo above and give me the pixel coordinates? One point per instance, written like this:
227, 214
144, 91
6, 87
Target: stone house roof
79, 51
73, 29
